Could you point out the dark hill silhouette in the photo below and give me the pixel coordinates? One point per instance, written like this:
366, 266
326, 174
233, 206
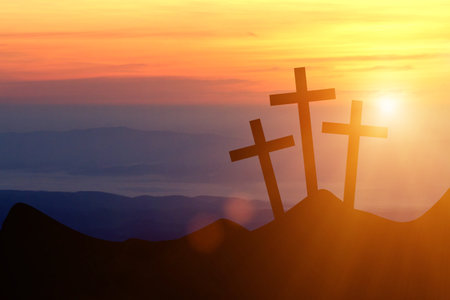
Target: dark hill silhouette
320, 250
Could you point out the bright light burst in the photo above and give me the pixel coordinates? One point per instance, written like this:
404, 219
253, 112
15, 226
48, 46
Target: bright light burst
388, 105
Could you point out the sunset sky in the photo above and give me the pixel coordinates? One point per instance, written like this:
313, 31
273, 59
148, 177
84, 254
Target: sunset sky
210, 66
221, 51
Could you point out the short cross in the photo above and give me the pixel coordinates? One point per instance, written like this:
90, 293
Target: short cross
262, 148
354, 130
302, 97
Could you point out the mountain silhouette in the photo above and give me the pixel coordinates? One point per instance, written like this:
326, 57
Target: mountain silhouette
117, 218
319, 250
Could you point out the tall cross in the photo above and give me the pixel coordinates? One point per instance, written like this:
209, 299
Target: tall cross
354, 130
262, 148
302, 97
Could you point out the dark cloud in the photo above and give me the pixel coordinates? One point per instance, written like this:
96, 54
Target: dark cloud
122, 90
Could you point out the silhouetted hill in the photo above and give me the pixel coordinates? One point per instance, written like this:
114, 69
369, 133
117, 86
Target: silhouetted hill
320, 250
53, 261
117, 218
440, 212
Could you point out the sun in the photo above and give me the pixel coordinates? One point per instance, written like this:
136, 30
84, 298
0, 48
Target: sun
388, 105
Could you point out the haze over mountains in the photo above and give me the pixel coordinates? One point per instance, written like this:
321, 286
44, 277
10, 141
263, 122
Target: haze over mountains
116, 151
121, 160
98, 148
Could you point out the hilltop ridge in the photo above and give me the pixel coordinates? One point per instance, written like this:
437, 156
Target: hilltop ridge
320, 250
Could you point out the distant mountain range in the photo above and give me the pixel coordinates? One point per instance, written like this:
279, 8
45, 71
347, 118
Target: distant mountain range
120, 151
318, 250
117, 218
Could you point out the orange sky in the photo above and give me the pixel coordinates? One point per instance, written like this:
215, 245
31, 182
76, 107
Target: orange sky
233, 52
360, 48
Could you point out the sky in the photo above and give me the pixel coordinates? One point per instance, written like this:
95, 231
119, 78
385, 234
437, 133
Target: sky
203, 52
210, 66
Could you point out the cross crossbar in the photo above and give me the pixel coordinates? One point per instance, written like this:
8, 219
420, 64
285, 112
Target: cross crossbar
291, 98
270, 146
362, 130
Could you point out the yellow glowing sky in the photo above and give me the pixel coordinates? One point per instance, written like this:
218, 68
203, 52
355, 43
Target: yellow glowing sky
361, 48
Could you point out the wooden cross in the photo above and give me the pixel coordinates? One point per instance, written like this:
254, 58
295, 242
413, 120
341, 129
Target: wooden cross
354, 130
302, 97
262, 148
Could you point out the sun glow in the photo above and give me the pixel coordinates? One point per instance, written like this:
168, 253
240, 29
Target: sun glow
388, 105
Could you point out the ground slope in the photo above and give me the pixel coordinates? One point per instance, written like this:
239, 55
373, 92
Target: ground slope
320, 250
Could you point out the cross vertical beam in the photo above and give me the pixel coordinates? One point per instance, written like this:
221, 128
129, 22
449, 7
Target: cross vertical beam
302, 97
267, 170
352, 154
354, 130
309, 160
262, 149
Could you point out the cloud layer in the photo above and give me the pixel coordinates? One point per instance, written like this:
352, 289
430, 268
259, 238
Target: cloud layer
125, 90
